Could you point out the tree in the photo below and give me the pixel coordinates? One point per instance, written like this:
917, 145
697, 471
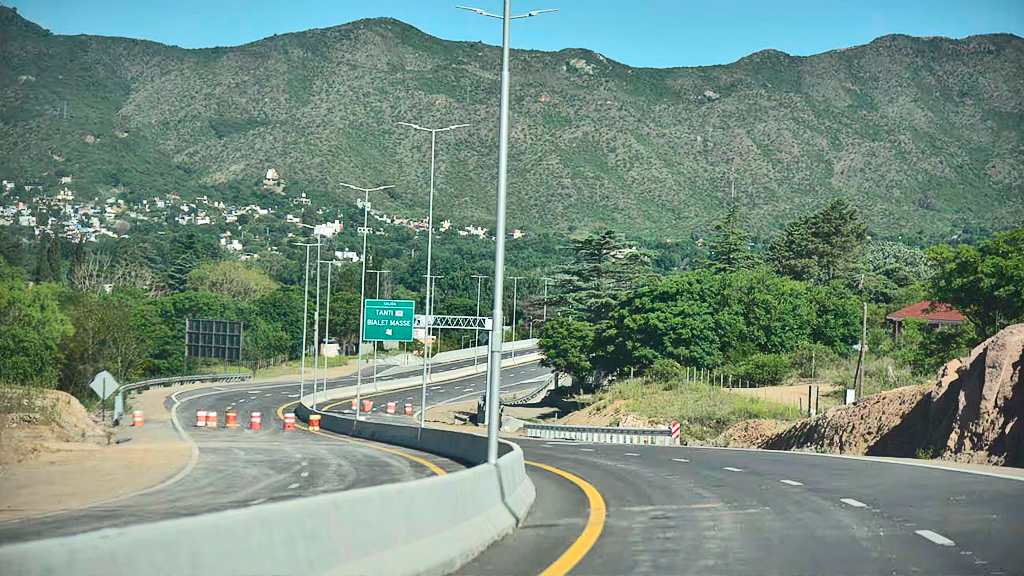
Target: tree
231, 278
824, 246
986, 283
604, 269
730, 250
564, 342
31, 328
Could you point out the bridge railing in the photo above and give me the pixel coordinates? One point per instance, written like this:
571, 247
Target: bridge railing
607, 434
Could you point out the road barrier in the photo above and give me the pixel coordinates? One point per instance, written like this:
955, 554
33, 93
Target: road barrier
137, 419
314, 422
289, 421
255, 421
367, 405
231, 419
355, 404
391, 408
609, 434
408, 409
200, 418
211, 419
391, 529
172, 381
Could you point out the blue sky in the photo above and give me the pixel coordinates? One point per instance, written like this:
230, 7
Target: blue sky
656, 33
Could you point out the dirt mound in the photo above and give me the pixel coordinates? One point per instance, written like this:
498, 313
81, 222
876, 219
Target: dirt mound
610, 413
42, 421
749, 433
974, 413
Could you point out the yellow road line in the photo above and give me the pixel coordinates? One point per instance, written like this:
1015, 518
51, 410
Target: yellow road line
429, 465
595, 524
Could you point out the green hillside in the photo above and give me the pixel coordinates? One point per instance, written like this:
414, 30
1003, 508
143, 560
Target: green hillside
925, 135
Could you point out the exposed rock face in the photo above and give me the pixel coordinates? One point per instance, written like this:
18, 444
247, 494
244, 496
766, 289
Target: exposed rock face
974, 413
977, 407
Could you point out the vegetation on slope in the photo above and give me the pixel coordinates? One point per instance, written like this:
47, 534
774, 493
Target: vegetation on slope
924, 135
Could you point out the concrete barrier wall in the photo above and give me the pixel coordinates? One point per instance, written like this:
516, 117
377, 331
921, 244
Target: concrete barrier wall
346, 392
422, 527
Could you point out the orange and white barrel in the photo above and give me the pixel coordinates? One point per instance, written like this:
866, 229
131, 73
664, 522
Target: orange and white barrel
211, 419
367, 405
289, 421
231, 419
200, 418
255, 420
355, 404
391, 408
137, 418
408, 409
314, 422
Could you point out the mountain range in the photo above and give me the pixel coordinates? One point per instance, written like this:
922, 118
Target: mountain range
924, 135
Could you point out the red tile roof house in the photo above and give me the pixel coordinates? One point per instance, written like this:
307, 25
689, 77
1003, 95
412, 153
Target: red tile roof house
936, 314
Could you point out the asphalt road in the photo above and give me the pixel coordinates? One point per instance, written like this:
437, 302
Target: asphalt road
715, 511
241, 467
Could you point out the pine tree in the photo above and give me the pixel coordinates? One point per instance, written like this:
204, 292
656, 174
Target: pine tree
730, 250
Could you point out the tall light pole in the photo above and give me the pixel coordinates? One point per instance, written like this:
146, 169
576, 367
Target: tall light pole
515, 290
327, 326
430, 242
494, 381
376, 295
547, 281
362, 289
476, 342
305, 322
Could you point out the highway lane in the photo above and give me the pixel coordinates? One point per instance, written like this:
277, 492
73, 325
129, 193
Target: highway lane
712, 511
241, 467
514, 379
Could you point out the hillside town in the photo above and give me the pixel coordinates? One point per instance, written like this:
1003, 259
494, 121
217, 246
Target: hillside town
67, 214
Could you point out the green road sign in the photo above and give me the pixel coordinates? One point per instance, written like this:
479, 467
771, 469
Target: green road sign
388, 320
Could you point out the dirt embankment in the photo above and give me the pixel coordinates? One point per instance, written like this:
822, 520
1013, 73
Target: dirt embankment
36, 422
974, 413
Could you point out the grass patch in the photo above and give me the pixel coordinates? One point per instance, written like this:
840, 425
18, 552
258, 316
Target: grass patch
702, 411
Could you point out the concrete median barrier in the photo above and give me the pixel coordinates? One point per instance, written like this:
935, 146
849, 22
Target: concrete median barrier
421, 527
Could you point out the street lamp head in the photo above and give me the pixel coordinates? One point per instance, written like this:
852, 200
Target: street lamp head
416, 126
536, 12
478, 11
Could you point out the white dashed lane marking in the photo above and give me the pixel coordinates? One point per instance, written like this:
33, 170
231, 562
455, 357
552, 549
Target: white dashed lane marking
631, 454
683, 460
935, 537
731, 469
852, 502
257, 501
792, 482
304, 474
293, 486
304, 464
587, 449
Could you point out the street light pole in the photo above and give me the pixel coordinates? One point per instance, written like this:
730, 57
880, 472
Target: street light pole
476, 342
305, 322
546, 282
515, 290
327, 328
430, 243
494, 381
362, 290
376, 295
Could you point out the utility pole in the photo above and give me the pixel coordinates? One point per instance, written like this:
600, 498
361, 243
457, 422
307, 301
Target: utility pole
305, 322
858, 382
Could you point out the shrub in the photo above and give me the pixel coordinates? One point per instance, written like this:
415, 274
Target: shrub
765, 369
665, 371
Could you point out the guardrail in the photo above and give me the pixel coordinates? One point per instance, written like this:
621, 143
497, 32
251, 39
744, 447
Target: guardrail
608, 434
171, 381
534, 395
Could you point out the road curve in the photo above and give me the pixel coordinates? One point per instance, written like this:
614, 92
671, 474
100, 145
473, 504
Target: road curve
718, 511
